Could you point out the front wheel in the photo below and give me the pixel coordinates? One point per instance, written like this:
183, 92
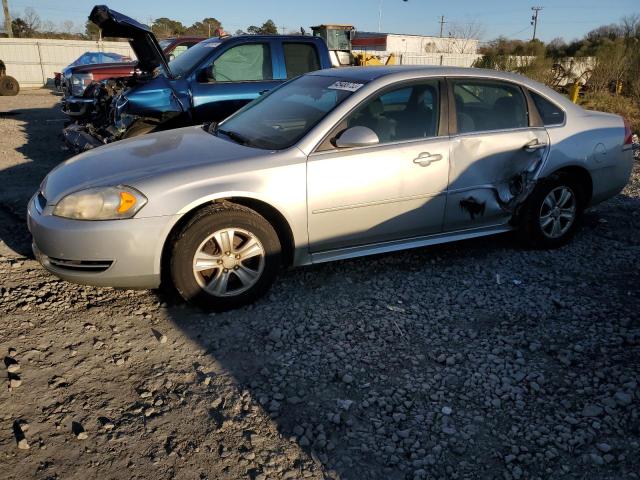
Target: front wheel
224, 257
552, 213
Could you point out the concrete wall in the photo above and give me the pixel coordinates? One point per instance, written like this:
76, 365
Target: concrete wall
33, 61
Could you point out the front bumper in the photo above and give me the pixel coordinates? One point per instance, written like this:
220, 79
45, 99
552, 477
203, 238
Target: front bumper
110, 253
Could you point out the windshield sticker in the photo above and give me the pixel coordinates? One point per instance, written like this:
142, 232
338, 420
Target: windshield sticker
348, 86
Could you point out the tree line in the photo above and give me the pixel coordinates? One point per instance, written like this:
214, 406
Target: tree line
30, 25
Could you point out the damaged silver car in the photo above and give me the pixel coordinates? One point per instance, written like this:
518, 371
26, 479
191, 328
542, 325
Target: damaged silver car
334, 164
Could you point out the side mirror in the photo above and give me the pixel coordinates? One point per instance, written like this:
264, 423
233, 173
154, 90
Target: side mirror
205, 75
357, 136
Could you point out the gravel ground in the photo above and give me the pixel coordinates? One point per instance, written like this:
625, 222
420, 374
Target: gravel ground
471, 360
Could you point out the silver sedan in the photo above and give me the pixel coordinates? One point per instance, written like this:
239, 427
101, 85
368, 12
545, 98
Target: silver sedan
334, 164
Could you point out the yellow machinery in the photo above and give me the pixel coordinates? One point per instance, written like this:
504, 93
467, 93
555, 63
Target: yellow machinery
574, 92
338, 38
367, 60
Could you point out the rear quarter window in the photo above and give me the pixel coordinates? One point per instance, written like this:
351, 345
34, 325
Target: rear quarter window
550, 113
300, 58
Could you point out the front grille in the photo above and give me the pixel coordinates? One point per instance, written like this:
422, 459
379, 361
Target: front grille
95, 266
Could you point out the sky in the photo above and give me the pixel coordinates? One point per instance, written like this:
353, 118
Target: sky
559, 18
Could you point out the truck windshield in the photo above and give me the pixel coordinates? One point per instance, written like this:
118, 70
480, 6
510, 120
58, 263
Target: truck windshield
186, 62
278, 120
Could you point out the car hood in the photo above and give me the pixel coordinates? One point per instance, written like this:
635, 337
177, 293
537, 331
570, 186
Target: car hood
141, 38
129, 161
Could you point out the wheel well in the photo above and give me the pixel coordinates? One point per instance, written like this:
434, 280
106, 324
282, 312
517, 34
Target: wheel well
583, 177
272, 215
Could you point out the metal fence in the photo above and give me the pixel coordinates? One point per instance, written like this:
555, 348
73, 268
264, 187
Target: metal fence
444, 59
33, 61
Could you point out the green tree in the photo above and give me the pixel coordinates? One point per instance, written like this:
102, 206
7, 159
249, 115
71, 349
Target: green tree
164, 27
21, 29
91, 30
268, 28
205, 28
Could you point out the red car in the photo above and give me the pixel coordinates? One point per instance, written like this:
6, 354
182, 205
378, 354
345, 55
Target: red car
76, 79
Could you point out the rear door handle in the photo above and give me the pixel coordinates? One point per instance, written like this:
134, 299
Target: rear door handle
534, 145
425, 159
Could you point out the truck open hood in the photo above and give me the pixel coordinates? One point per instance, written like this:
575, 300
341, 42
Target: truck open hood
141, 38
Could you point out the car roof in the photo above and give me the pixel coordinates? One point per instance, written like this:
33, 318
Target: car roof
401, 72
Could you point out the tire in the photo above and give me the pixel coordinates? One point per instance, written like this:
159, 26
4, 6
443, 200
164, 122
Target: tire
206, 235
9, 86
544, 226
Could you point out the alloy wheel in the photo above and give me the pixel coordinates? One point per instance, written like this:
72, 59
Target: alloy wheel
229, 262
558, 212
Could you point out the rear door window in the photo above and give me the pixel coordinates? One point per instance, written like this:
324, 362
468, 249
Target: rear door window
300, 58
488, 105
550, 113
244, 63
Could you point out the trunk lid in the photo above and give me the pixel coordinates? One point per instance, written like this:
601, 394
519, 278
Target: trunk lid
141, 38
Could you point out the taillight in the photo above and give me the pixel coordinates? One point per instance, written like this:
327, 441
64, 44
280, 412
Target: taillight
627, 132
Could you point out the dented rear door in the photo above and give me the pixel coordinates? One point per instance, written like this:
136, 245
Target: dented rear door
496, 150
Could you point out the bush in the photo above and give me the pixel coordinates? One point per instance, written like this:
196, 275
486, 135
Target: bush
605, 102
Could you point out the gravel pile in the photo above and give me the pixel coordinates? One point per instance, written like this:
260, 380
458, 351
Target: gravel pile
472, 360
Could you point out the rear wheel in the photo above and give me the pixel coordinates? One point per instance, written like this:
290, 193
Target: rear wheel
225, 257
553, 212
9, 86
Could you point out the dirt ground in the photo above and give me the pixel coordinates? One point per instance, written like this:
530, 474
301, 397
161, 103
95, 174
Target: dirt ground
478, 359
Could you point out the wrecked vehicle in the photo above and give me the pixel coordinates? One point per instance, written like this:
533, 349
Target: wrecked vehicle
335, 164
77, 78
66, 81
206, 83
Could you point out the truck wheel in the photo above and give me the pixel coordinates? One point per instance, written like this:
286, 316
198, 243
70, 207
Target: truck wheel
9, 86
224, 257
552, 213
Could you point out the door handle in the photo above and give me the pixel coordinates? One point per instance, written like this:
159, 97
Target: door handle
425, 159
262, 92
534, 145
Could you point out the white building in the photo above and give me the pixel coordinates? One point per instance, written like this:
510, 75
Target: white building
384, 44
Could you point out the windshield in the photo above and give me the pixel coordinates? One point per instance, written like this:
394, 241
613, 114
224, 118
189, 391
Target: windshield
278, 120
187, 61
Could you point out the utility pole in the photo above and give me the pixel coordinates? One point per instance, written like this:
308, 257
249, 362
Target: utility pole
441, 22
534, 20
283, 27
7, 19
380, 15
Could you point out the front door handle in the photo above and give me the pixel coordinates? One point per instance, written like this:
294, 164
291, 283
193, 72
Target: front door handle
262, 92
425, 159
534, 145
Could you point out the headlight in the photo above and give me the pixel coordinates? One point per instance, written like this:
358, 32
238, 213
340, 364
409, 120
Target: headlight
102, 203
79, 82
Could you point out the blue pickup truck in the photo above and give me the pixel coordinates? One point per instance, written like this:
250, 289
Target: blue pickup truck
206, 83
